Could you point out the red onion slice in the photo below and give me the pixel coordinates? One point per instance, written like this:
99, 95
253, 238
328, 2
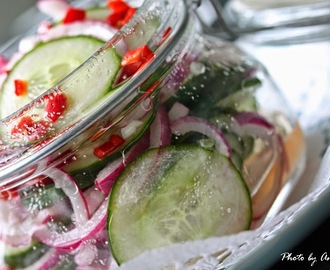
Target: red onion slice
253, 124
191, 123
47, 261
21, 236
95, 28
86, 254
72, 239
160, 131
177, 76
177, 111
68, 185
17, 225
108, 175
94, 198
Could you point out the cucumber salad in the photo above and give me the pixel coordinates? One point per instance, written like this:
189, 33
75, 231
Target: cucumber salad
193, 155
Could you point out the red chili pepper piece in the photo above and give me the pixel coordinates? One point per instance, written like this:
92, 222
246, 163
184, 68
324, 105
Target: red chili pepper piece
73, 15
152, 87
129, 14
23, 125
41, 181
115, 141
149, 90
104, 149
57, 104
34, 130
114, 20
118, 7
138, 55
8, 194
167, 32
134, 60
21, 87
121, 13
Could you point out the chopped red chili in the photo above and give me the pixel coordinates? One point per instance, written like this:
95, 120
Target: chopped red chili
164, 35
121, 13
114, 142
167, 32
34, 130
56, 106
152, 87
138, 55
40, 181
21, 87
134, 60
23, 124
129, 14
114, 20
8, 194
149, 90
73, 15
118, 6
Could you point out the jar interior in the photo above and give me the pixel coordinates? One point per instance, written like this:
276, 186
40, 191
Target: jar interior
197, 142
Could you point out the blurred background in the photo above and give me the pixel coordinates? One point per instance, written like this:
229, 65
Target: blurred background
11, 10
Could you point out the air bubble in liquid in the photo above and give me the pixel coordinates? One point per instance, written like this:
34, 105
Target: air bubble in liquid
146, 104
197, 68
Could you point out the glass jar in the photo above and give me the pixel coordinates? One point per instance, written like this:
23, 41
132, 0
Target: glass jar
161, 131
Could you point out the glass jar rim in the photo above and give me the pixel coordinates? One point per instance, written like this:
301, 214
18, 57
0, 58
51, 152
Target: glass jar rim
175, 14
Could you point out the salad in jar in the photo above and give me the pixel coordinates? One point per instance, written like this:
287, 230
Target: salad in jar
123, 129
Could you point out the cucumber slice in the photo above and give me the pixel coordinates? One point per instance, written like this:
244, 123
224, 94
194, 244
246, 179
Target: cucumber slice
243, 100
38, 198
175, 194
66, 263
224, 87
49, 62
21, 257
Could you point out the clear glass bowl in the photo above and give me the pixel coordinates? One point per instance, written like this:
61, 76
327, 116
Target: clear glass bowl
63, 151
272, 22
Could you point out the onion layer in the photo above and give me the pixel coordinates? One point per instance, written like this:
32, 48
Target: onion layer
191, 123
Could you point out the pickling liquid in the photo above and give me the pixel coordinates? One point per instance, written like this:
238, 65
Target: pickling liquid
285, 169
